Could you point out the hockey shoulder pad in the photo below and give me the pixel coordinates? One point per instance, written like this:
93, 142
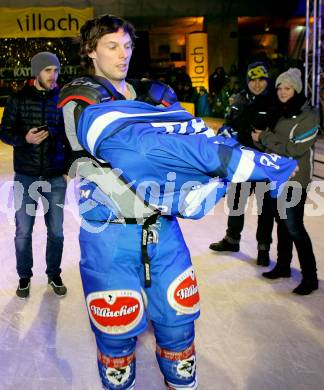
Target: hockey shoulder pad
77, 95
155, 92
84, 90
73, 98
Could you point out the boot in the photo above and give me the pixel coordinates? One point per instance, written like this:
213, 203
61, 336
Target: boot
263, 258
306, 287
278, 272
224, 245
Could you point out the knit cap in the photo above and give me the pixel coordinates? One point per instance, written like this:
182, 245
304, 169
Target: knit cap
292, 77
257, 70
42, 60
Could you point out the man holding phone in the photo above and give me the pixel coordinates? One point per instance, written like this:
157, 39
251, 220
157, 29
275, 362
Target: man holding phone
34, 126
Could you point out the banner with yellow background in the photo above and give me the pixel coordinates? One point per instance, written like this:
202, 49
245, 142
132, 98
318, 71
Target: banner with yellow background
42, 22
197, 59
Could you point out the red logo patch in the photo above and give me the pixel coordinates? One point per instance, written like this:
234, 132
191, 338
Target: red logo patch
116, 311
183, 294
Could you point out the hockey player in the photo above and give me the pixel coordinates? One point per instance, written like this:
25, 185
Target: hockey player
153, 162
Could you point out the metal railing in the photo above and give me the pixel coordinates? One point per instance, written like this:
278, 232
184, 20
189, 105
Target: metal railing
313, 43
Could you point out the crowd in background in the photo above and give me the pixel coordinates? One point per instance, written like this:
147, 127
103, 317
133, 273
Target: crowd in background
223, 86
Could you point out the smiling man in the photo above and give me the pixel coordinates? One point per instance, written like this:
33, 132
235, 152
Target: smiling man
252, 108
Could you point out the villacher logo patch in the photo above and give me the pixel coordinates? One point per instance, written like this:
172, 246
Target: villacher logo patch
183, 294
115, 311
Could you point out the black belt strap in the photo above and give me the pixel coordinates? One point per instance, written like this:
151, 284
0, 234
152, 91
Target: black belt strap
151, 220
145, 257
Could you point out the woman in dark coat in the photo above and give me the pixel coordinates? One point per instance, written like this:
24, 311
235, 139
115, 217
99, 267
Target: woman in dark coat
294, 135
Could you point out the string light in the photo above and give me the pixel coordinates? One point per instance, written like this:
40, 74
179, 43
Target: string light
16, 52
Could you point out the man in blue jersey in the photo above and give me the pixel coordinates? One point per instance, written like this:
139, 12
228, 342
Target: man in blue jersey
151, 162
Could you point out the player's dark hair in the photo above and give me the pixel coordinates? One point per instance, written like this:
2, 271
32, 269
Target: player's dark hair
95, 28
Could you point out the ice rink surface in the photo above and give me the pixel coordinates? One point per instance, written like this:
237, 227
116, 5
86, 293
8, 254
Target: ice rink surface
253, 334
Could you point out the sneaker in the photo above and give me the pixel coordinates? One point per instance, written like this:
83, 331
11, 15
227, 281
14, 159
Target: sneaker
224, 245
22, 291
277, 272
57, 285
306, 287
263, 258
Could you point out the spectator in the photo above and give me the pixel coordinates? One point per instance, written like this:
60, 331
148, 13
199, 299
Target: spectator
294, 135
188, 93
202, 103
33, 125
217, 80
220, 103
252, 108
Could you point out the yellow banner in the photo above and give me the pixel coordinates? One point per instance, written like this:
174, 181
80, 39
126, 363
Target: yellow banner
42, 22
190, 107
197, 59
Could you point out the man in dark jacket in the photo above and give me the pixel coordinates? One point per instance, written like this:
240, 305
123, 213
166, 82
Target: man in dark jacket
252, 109
34, 126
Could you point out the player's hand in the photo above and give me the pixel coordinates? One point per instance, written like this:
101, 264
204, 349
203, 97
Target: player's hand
34, 136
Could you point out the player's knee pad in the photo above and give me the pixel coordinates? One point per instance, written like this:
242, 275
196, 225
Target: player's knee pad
116, 363
176, 356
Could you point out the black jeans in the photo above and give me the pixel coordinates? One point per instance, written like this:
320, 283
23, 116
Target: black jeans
237, 202
291, 230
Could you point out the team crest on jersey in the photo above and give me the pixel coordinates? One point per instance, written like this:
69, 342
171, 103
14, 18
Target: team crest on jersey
186, 368
183, 294
118, 376
115, 311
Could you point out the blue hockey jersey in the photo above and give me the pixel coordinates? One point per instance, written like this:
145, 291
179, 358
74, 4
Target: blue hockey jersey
172, 159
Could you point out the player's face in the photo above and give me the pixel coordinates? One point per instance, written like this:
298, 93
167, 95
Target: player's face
112, 55
257, 86
285, 92
47, 78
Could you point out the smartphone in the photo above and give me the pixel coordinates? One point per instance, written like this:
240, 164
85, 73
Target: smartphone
40, 128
